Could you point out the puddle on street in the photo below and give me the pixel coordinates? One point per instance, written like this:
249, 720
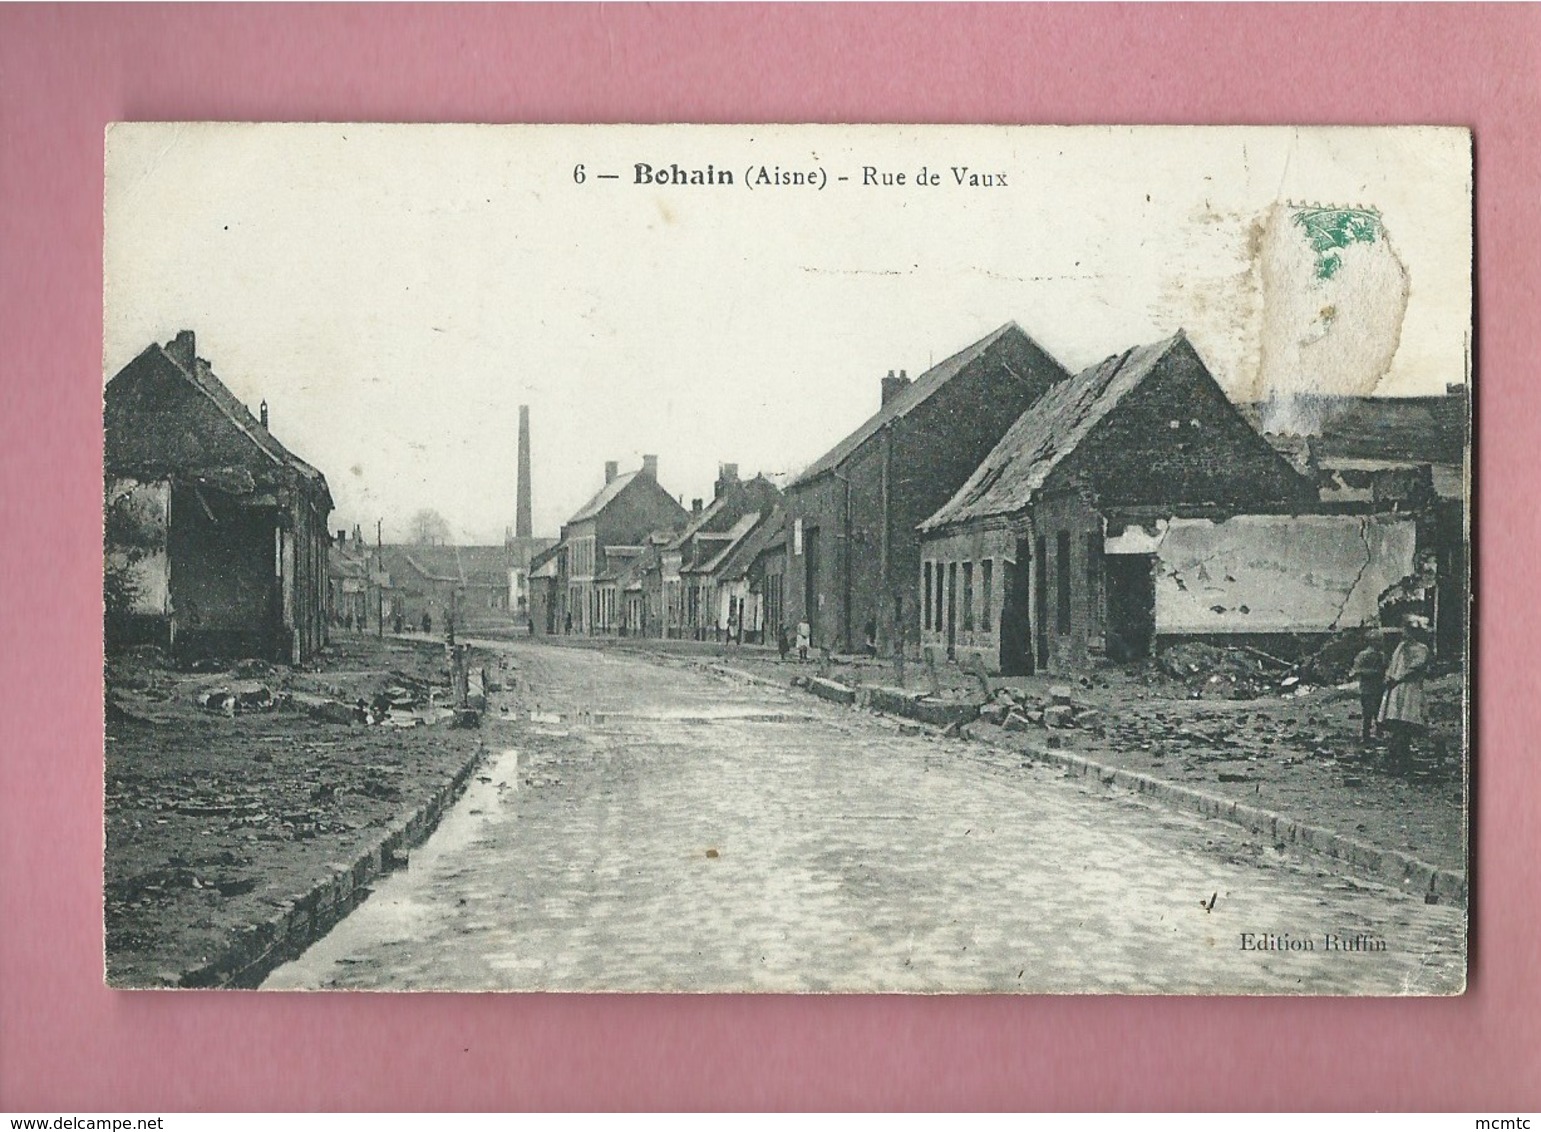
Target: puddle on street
401, 909
695, 715
647, 852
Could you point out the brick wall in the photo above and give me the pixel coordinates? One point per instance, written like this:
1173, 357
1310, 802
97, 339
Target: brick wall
869, 555
1177, 439
978, 641
1072, 587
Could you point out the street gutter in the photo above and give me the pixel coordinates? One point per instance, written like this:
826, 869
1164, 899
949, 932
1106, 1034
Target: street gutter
257, 949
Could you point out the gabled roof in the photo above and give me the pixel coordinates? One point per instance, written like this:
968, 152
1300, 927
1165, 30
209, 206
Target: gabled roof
736, 562
457, 565
545, 556
754, 496
604, 498
914, 395
1047, 432
197, 373
699, 525
711, 557
630, 578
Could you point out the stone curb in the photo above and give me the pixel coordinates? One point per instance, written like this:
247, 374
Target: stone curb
256, 949
740, 674
1362, 859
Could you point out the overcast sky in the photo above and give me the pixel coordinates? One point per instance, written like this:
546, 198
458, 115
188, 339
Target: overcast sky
395, 293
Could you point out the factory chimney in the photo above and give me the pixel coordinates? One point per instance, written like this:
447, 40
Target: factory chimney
522, 520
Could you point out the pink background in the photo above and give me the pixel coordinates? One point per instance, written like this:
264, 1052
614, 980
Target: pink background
66, 1043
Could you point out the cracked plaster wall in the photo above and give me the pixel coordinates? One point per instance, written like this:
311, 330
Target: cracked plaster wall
1278, 573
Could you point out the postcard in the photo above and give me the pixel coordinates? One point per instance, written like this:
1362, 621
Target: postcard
783, 558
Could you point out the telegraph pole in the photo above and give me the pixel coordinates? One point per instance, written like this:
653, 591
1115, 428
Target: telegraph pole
379, 579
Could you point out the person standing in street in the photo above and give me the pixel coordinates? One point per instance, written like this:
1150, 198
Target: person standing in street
804, 639
1402, 712
782, 644
1370, 671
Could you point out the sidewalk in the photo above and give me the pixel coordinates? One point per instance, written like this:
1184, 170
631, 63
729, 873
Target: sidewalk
246, 811
1295, 755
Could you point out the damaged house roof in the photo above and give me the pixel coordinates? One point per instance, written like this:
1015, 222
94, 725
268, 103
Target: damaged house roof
1420, 430
1048, 432
1075, 413
916, 393
142, 437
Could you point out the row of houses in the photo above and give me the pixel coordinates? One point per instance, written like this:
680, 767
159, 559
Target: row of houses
1003, 511
632, 561
396, 587
998, 509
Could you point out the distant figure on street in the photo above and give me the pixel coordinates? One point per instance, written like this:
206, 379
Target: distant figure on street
872, 636
804, 639
782, 644
732, 628
427, 621
1370, 671
567, 624
398, 621
1402, 711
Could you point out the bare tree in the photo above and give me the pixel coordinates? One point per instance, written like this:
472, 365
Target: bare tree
428, 528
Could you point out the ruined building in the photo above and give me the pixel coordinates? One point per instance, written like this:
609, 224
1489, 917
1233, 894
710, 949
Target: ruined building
216, 534
1052, 552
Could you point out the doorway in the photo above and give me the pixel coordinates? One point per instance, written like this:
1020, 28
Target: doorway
952, 610
1016, 627
1040, 571
1131, 597
811, 580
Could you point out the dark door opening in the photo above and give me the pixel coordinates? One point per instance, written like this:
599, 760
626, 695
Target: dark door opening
1131, 598
1016, 628
1040, 568
952, 609
811, 580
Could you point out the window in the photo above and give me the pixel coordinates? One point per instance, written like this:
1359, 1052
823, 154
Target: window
985, 570
937, 620
968, 597
928, 596
1062, 577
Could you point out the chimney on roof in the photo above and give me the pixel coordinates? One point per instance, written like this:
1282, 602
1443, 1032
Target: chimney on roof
893, 386
650, 467
611, 468
695, 508
262, 414
727, 476
342, 538
183, 348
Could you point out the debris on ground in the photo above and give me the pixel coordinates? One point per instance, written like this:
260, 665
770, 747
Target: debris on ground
228, 789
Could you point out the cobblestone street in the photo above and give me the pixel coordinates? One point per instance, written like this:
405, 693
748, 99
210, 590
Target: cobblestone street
640, 827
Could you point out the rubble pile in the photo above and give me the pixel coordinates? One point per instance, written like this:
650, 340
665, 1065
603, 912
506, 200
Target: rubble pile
1016, 710
228, 793
1228, 673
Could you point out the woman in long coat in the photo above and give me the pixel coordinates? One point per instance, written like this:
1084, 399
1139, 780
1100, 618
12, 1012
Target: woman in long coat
1402, 711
